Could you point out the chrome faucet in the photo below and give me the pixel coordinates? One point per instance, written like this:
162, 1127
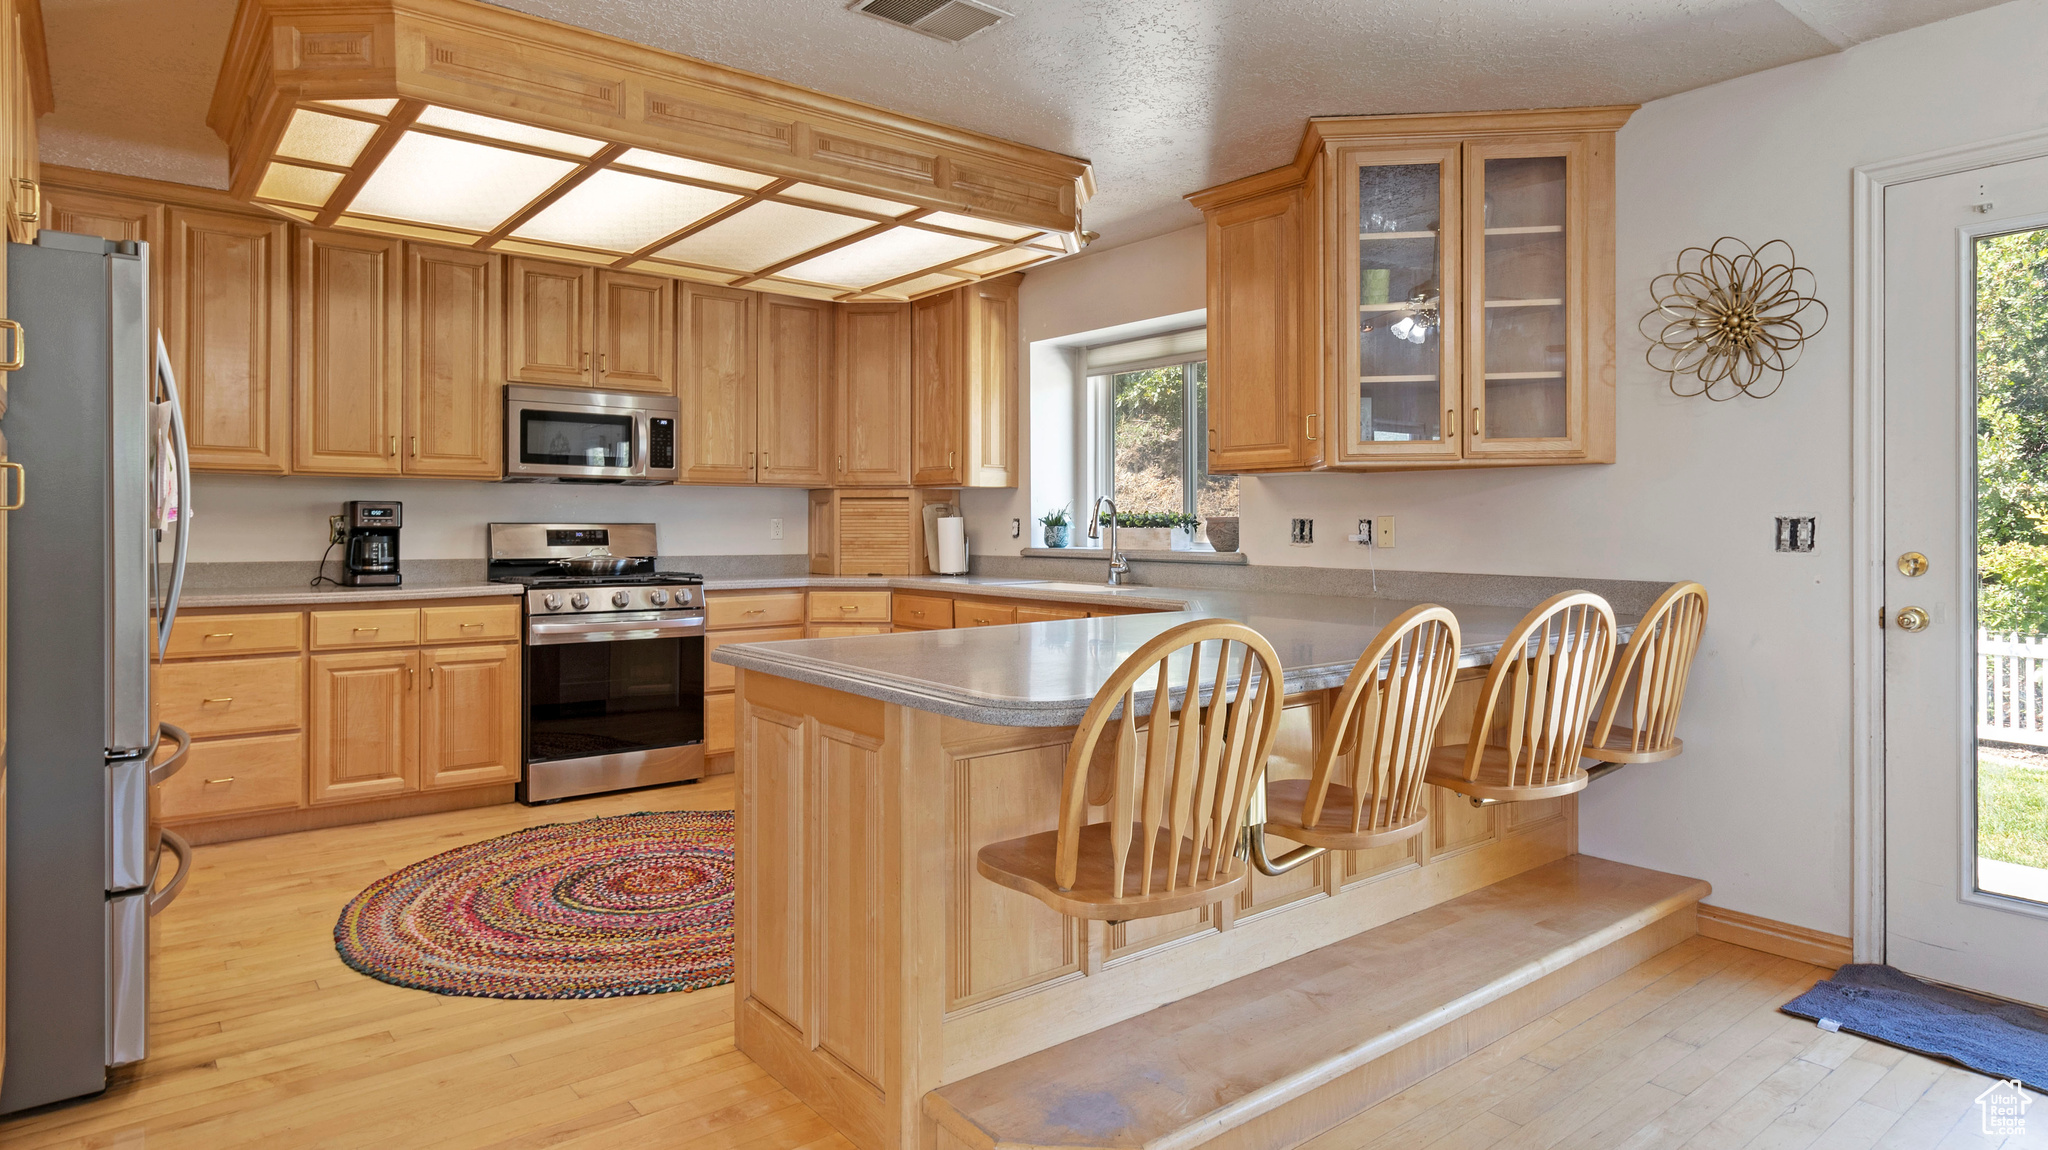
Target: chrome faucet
1119, 567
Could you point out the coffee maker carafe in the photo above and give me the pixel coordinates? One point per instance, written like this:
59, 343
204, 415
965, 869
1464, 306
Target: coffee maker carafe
370, 547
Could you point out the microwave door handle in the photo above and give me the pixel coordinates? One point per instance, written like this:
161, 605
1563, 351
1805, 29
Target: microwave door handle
183, 450
641, 422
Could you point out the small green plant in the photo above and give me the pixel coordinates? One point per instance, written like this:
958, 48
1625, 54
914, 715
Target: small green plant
1055, 518
1153, 519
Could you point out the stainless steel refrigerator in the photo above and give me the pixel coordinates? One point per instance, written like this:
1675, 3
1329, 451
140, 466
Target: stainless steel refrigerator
92, 417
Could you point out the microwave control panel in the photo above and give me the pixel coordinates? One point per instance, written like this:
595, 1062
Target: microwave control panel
661, 444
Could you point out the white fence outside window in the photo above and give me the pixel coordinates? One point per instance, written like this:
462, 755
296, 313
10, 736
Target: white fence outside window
2012, 688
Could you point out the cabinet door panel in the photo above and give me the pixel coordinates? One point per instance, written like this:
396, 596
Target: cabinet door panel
1259, 393
992, 384
636, 332
873, 415
938, 342
227, 323
454, 406
113, 218
350, 336
364, 726
793, 372
469, 716
716, 385
549, 336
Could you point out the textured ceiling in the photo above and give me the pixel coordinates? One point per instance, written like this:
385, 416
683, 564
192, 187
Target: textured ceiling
1164, 96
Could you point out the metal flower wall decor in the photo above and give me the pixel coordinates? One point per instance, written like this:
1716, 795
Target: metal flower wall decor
1733, 317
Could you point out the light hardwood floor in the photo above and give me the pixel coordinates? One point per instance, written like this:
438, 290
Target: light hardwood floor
261, 1037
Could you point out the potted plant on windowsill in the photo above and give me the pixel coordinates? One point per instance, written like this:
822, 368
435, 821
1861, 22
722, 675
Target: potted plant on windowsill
1154, 530
1055, 524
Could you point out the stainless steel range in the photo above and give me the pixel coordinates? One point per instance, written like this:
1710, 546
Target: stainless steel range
614, 658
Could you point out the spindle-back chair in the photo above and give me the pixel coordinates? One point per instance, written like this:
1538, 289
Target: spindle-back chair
1650, 680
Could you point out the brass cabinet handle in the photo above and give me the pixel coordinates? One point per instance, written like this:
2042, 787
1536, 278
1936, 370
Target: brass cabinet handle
1476, 424
756, 611
394, 447
219, 781
34, 191
604, 362
415, 447
916, 612
431, 678
1310, 425
20, 486
949, 460
848, 607
409, 673
842, 465
372, 630
222, 699
586, 361
17, 356
467, 626
1451, 418
220, 634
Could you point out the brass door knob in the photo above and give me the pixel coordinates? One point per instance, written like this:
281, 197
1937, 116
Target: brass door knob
1911, 619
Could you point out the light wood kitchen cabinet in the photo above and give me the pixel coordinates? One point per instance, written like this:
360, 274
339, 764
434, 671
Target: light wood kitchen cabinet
1425, 291
469, 726
938, 423
715, 382
227, 321
231, 697
113, 217
873, 414
364, 724
793, 391
349, 307
28, 95
454, 365
237, 776
636, 333
964, 386
548, 333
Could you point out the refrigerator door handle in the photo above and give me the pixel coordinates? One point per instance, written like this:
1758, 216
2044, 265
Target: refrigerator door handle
164, 770
183, 448
176, 844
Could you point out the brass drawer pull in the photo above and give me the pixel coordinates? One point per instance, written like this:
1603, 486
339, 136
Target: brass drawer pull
220, 634
917, 612
372, 630
17, 354
1314, 419
223, 699
33, 194
20, 486
849, 607
467, 626
220, 781
755, 611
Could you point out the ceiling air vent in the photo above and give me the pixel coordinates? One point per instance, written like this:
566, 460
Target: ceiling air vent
948, 20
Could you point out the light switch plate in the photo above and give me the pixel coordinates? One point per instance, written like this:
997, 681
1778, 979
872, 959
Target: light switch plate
1301, 533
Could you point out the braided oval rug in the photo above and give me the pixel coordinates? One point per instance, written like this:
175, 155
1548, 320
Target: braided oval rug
627, 904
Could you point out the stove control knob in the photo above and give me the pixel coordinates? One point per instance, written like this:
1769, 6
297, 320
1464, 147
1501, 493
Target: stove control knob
657, 597
551, 601
579, 600
621, 598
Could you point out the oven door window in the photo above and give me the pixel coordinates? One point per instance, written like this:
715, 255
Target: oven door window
586, 699
575, 439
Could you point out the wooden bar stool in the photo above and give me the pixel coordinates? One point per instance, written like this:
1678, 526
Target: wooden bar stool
1529, 730
1183, 807
1650, 679
1366, 789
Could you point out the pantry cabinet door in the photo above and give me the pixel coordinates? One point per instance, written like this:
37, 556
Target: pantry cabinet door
227, 321
548, 336
364, 725
469, 717
938, 384
873, 413
636, 333
454, 374
715, 382
793, 374
350, 331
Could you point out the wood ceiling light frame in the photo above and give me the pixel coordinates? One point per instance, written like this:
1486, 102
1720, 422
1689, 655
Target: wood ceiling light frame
471, 57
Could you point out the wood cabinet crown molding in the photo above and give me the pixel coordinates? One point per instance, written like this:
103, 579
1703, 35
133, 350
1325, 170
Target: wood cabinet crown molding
316, 97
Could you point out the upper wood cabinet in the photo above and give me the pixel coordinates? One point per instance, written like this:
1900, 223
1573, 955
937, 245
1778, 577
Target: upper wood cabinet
793, 391
1432, 291
964, 386
872, 419
227, 321
715, 382
575, 326
350, 333
454, 371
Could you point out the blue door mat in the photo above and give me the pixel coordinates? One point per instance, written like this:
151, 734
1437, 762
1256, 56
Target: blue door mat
2002, 1039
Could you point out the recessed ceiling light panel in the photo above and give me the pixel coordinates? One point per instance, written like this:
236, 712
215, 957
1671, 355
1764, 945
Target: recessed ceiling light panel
454, 183
948, 20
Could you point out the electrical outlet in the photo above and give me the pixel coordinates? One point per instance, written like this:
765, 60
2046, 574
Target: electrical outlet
337, 529
1364, 536
775, 529
1302, 533
1383, 532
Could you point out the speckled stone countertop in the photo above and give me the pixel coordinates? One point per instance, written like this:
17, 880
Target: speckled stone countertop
324, 596
1044, 674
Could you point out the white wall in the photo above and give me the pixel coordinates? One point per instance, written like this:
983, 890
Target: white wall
252, 518
1759, 802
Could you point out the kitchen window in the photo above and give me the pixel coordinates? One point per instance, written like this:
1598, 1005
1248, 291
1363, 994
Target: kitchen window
1152, 402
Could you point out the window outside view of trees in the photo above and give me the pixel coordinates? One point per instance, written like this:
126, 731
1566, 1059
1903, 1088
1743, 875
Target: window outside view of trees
1159, 461
2012, 563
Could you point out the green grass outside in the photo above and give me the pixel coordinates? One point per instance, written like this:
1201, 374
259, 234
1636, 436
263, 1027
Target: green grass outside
2012, 813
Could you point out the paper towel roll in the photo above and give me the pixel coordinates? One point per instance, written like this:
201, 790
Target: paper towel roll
952, 546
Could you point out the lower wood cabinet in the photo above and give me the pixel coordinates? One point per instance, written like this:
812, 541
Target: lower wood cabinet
365, 725
469, 716
237, 776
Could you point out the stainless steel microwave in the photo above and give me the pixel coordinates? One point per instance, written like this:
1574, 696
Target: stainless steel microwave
566, 434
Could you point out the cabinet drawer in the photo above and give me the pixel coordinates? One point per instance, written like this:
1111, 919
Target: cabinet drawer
849, 606
234, 697
333, 629
232, 776
718, 676
767, 609
922, 611
1045, 612
844, 630
473, 623
981, 613
196, 636
718, 724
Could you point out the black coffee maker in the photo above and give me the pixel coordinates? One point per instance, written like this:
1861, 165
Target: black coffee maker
370, 548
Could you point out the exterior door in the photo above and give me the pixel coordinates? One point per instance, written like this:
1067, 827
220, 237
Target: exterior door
1966, 865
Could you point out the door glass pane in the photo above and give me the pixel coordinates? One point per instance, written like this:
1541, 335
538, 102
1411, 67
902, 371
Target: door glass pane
1214, 494
2012, 565
1400, 349
1149, 410
1525, 292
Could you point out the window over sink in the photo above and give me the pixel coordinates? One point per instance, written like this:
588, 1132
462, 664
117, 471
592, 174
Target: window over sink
1152, 400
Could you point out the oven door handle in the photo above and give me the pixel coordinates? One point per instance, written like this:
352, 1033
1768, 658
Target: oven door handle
541, 634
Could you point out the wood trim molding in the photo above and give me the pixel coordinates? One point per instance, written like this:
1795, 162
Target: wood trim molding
1773, 937
176, 195
36, 47
263, 824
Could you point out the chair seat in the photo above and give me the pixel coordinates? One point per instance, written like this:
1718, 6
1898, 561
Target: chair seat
1447, 770
1617, 749
1285, 799
1026, 865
